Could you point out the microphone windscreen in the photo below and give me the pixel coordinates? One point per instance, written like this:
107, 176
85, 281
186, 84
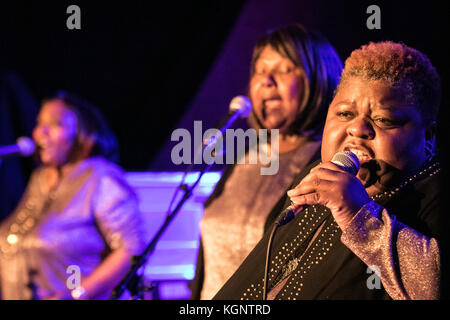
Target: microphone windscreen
348, 161
26, 146
241, 104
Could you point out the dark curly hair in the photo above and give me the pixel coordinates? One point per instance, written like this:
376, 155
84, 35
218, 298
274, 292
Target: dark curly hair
405, 68
94, 136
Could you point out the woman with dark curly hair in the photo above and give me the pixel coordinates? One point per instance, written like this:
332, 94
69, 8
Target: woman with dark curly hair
293, 74
382, 233
77, 225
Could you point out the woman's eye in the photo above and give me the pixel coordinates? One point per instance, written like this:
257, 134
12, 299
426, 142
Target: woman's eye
260, 71
344, 114
384, 122
285, 71
55, 123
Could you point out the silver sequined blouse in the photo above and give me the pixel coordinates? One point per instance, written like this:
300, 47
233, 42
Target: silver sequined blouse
93, 210
234, 222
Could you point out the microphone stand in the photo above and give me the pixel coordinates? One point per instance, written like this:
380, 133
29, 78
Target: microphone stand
131, 281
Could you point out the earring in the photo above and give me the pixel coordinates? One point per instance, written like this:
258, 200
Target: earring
429, 149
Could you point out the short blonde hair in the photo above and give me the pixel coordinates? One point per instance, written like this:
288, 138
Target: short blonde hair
405, 68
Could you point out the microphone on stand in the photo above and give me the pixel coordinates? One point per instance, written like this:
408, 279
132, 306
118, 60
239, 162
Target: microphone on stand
240, 107
346, 160
24, 147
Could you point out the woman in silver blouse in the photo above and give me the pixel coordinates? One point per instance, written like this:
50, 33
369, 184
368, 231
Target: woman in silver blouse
77, 224
293, 73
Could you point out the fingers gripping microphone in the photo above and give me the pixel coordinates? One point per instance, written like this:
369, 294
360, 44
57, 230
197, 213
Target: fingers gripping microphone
24, 147
346, 160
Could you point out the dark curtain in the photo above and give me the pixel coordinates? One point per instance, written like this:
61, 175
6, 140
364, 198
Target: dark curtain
18, 111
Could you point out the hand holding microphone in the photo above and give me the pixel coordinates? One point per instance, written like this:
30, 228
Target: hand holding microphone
334, 185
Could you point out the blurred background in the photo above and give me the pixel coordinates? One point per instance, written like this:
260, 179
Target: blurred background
152, 67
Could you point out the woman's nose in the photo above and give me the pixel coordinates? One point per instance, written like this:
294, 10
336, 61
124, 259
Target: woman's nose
40, 131
269, 80
361, 127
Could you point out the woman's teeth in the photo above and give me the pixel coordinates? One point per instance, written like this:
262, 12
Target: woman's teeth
361, 154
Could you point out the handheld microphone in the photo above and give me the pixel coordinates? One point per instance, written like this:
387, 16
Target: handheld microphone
24, 147
346, 160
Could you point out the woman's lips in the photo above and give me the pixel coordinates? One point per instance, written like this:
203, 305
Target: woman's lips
272, 103
45, 149
362, 153
42, 146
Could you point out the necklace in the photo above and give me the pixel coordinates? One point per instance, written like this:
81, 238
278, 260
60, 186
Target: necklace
288, 268
431, 170
28, 216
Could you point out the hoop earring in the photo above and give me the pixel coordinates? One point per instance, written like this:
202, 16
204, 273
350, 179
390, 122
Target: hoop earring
429, 149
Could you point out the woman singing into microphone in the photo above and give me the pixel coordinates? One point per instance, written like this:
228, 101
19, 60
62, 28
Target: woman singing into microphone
386, 221
293, 74
78, 224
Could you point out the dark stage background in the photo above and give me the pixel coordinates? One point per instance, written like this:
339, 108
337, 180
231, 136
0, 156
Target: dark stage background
153, 66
